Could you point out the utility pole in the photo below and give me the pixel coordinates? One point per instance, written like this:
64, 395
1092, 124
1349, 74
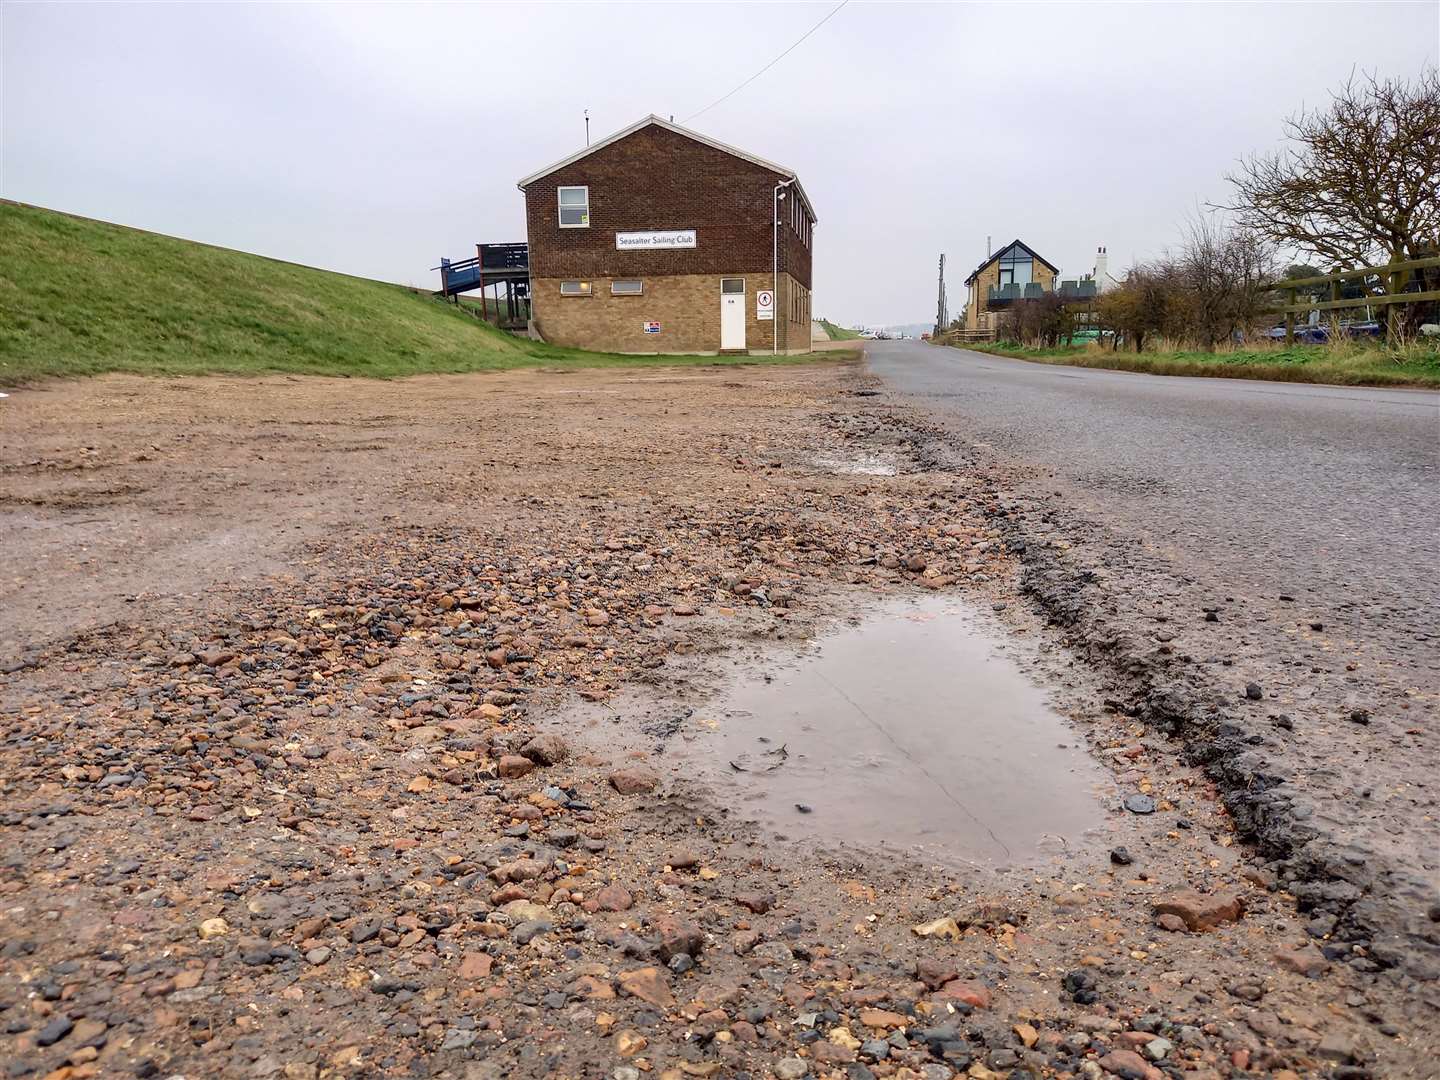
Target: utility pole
942, 317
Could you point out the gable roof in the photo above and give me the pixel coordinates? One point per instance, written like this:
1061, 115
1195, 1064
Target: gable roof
1006, 247
715, 144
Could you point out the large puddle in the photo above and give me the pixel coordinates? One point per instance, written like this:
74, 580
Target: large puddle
912, 731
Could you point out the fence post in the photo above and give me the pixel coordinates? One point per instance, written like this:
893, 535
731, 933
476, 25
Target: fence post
1290, 318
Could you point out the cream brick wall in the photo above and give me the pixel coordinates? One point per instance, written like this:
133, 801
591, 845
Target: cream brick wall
976, 315
687, 307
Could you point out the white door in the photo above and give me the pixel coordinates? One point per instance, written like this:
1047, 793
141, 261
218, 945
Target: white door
732, 313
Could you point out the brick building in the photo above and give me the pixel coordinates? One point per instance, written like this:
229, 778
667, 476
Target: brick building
659, 239
1015, 272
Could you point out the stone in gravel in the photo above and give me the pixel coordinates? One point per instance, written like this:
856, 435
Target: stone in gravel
364, 930
318, 955
970, 993
1304, 960
790, 1068
649, 985
530, 929
1173, 923
945, 927
1360, 716
678, 937
935, 973
54, 1031
634, 781
1248, 991
90, 1033
1140, 804
1158, 1049
1120, 857
513, 766
614, 897
546, 750
1253, 691
475, 965
759, 903
1130, 1066
875, 1049
1199, 911
630, 1043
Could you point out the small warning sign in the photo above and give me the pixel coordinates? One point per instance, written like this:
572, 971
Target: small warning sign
764, 304
652, 328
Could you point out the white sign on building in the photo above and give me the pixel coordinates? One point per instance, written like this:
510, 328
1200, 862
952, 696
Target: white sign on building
642, 241
764, 305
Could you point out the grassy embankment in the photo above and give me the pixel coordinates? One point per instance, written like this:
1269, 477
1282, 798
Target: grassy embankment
1349, 363
82, 297
838, 333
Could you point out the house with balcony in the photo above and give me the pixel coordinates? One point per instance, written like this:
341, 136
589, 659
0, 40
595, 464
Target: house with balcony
1014, 273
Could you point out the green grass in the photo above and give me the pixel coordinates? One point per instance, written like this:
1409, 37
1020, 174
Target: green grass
81, 297
838, 333
1342, 364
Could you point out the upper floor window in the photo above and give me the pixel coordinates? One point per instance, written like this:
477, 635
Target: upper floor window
574, 207
1015, 266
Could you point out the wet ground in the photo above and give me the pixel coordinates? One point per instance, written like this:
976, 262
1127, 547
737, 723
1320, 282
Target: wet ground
284, 812
912, 731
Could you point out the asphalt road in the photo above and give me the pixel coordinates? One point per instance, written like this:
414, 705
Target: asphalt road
1330, 491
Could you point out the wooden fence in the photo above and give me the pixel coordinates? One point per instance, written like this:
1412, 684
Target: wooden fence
1394, 276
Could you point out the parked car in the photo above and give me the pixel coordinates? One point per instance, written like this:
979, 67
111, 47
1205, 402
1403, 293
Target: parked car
1305, 335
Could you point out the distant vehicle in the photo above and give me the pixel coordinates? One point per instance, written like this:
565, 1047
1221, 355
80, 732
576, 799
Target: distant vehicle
1304, 335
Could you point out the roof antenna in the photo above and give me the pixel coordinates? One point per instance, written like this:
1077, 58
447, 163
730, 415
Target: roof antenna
672, 118
587, 127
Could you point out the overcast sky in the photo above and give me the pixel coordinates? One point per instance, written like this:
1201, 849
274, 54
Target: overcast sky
375, 139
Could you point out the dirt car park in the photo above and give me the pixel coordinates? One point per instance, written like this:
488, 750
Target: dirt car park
470, 726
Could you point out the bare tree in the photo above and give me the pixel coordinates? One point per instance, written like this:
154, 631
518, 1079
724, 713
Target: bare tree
1224, 272
1360, 182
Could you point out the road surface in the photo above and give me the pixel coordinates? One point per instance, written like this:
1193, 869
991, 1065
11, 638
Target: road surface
1332, 491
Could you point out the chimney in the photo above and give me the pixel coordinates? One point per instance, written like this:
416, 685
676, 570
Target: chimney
1102, 270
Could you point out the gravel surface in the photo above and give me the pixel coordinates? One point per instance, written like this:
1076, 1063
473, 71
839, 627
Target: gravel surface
350, 729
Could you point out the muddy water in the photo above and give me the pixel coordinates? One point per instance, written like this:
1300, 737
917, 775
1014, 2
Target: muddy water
910, 731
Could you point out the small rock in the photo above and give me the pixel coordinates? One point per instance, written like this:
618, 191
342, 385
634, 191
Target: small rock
213, 928
54, 1031
1201, 912
678, 938
649, 985
1120, 857
634, 781
546, 750
1130, 1066
1140, 804
1305, 960
1253, 691
318, 955
614, 897
513, 766
1173, 923
790, 1068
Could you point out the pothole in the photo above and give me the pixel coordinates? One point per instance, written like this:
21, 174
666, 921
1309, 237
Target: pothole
912, 731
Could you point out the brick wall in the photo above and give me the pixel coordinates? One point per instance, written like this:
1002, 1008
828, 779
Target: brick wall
687, 307
656, 179
976, 315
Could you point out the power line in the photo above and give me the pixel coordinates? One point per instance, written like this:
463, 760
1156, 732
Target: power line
833, 12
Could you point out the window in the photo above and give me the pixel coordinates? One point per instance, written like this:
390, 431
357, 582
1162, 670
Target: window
574, 207
574, 288
626, 288
1015, 266
732, 285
